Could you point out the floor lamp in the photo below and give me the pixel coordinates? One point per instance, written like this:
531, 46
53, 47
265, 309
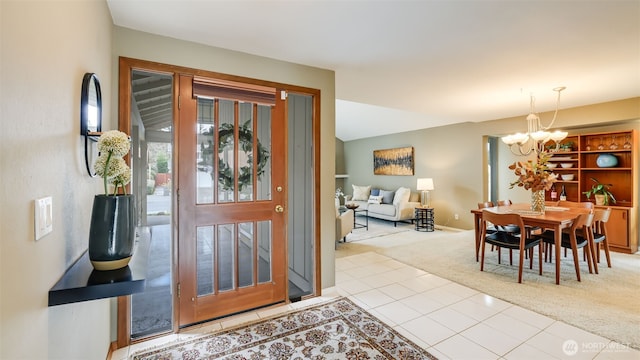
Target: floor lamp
425, 185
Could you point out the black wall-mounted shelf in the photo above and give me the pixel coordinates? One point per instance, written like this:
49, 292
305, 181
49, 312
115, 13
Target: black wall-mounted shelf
82, 283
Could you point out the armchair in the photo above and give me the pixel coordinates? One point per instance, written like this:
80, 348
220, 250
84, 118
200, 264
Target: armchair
344, 224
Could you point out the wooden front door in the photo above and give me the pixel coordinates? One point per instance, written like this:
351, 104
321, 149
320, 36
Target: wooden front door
231, 198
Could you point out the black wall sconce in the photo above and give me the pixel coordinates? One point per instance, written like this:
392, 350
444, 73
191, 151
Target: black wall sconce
90, 113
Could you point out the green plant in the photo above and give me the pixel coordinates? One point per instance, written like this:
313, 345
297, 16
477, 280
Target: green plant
151, 187
162, 163
568, 146
600, 189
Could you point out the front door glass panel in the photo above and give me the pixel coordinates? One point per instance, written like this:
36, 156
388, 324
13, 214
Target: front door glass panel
226, 152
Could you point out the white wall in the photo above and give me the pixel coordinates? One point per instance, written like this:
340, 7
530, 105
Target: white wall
144, 46
46, 47
453, 156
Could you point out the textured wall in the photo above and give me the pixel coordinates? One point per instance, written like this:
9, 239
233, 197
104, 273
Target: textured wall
47, 46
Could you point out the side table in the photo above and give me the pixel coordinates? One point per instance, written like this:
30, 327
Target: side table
424, 219
357, 225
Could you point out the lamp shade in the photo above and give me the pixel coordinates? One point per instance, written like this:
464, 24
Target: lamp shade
425, 184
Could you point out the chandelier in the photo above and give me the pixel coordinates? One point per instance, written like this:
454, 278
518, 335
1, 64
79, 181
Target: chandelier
537, 135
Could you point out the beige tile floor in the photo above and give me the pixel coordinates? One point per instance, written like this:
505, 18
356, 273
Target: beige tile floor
451, 321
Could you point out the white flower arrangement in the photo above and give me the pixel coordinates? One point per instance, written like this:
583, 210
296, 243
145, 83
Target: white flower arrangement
113, 146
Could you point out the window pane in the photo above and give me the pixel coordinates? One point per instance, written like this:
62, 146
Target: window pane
264, 251
151, 183
226, 257
204, 151
263, 158
204, 259
245, 254
245, 152
226, 141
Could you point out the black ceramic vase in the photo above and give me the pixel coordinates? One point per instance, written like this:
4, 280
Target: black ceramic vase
112, 232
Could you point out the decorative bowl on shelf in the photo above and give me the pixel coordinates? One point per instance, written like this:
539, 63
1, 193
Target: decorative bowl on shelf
351, 206
566, 165
567, 177
552, 165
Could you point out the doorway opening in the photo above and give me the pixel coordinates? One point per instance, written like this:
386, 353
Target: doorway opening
149, 94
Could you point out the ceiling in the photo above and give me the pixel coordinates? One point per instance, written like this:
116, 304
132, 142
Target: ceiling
407, 65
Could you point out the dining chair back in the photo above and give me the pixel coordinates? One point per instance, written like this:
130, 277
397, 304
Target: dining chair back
491, 228
485, 204
578, 236
575, 204
599, 236
509, 240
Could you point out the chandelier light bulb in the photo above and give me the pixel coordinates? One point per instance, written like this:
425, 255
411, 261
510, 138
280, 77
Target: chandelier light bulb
558, 135
537, 135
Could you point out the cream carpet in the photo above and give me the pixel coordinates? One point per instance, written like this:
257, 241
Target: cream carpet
607, 304
377, 228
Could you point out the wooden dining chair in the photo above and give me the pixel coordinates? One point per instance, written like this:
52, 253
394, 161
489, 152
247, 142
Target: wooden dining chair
599, 236
485, 204
491, 229
530, 229
577, 237
575, 204
509, 240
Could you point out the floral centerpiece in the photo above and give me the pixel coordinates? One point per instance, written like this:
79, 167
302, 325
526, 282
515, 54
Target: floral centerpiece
535, 176
112, 232
113, 146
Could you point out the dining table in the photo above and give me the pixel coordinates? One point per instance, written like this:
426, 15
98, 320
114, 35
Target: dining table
554, 218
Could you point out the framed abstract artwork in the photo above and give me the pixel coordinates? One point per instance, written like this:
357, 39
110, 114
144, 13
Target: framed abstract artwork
398, 161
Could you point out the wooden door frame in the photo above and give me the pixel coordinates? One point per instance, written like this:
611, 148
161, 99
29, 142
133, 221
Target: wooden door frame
125, 67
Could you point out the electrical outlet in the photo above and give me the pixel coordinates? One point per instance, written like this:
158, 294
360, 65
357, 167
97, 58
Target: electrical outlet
456, 216
43, 217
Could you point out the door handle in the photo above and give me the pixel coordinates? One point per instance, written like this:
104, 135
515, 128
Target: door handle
279, 208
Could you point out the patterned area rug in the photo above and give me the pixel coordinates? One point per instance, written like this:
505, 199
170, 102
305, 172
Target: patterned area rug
338, 329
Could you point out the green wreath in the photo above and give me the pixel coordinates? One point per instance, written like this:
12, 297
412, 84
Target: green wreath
226, 136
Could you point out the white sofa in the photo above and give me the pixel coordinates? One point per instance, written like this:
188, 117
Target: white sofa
401, 208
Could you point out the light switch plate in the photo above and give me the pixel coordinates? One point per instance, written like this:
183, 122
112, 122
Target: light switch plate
43, 217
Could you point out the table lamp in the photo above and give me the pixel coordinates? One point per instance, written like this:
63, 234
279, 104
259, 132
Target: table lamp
424, 185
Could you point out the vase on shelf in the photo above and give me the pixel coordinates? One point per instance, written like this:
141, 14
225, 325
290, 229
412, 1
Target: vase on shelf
112, 232
606, 160
537, 201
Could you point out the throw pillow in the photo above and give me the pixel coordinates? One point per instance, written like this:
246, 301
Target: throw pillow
387, 196
375, 199
375, 192
402, 195
361, 193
